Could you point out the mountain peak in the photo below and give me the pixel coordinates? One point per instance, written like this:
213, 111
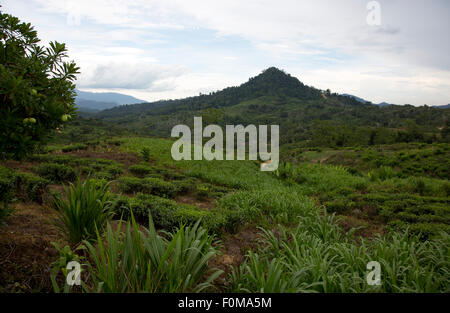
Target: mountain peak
275, 74
273, 81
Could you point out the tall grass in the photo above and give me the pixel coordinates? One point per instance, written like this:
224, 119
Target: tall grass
85, 210
317, 257
141, 260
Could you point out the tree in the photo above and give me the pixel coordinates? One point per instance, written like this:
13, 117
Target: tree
37, 92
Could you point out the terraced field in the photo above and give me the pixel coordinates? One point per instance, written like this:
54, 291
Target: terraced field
307, 227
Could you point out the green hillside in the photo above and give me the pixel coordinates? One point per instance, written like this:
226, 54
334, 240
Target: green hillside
274, 97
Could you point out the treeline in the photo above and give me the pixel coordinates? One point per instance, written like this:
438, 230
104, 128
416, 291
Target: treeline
331, 134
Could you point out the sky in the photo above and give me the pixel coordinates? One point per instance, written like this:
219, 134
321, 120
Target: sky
394, 51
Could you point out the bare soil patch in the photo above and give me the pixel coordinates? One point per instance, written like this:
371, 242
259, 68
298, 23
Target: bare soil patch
207, 203
26, 252
234, 248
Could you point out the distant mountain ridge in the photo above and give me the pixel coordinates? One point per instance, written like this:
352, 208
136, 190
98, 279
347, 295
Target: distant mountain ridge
98, 101
382, 104
447, 106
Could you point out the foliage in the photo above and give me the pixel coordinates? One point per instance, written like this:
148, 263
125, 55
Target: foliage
74, 147
36, 87
145, 261
66, 255
305, 114
150, 185
56, 172
85, 212
32, 187
165, 213
145, 152
316, 257
25, 186
96, 168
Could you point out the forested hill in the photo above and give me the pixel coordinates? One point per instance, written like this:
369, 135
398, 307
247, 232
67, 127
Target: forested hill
271, 82
303, 112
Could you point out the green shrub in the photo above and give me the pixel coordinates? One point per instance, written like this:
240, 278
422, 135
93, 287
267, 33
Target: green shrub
145, 261
140, 170
290, 173
99, 183
7, 184
145, 153
419, 185
85, 212
339, 205
7, 192
445, 187
185, 185
202, 192
102, 169
32, 187
385, 172
56, 172
154, 186
165, 213
74, 147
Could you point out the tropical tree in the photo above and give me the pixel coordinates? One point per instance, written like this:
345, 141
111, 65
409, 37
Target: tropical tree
36, 88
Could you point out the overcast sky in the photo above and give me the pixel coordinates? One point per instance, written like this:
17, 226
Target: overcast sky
161, 49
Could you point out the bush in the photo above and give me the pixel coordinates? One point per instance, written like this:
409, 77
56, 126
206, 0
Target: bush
7, 184
166, 213
419, 185
25, 186
85, 212
290, 173
74, 147
145, 261
102, 169
385, 172
32, 187
145, 152
445, 187
202, 192
339, 205
7, 192
140, 170
154, 186
185, 185
56, 172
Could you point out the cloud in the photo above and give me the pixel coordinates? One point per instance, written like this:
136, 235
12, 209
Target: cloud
151, 77
231, 40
